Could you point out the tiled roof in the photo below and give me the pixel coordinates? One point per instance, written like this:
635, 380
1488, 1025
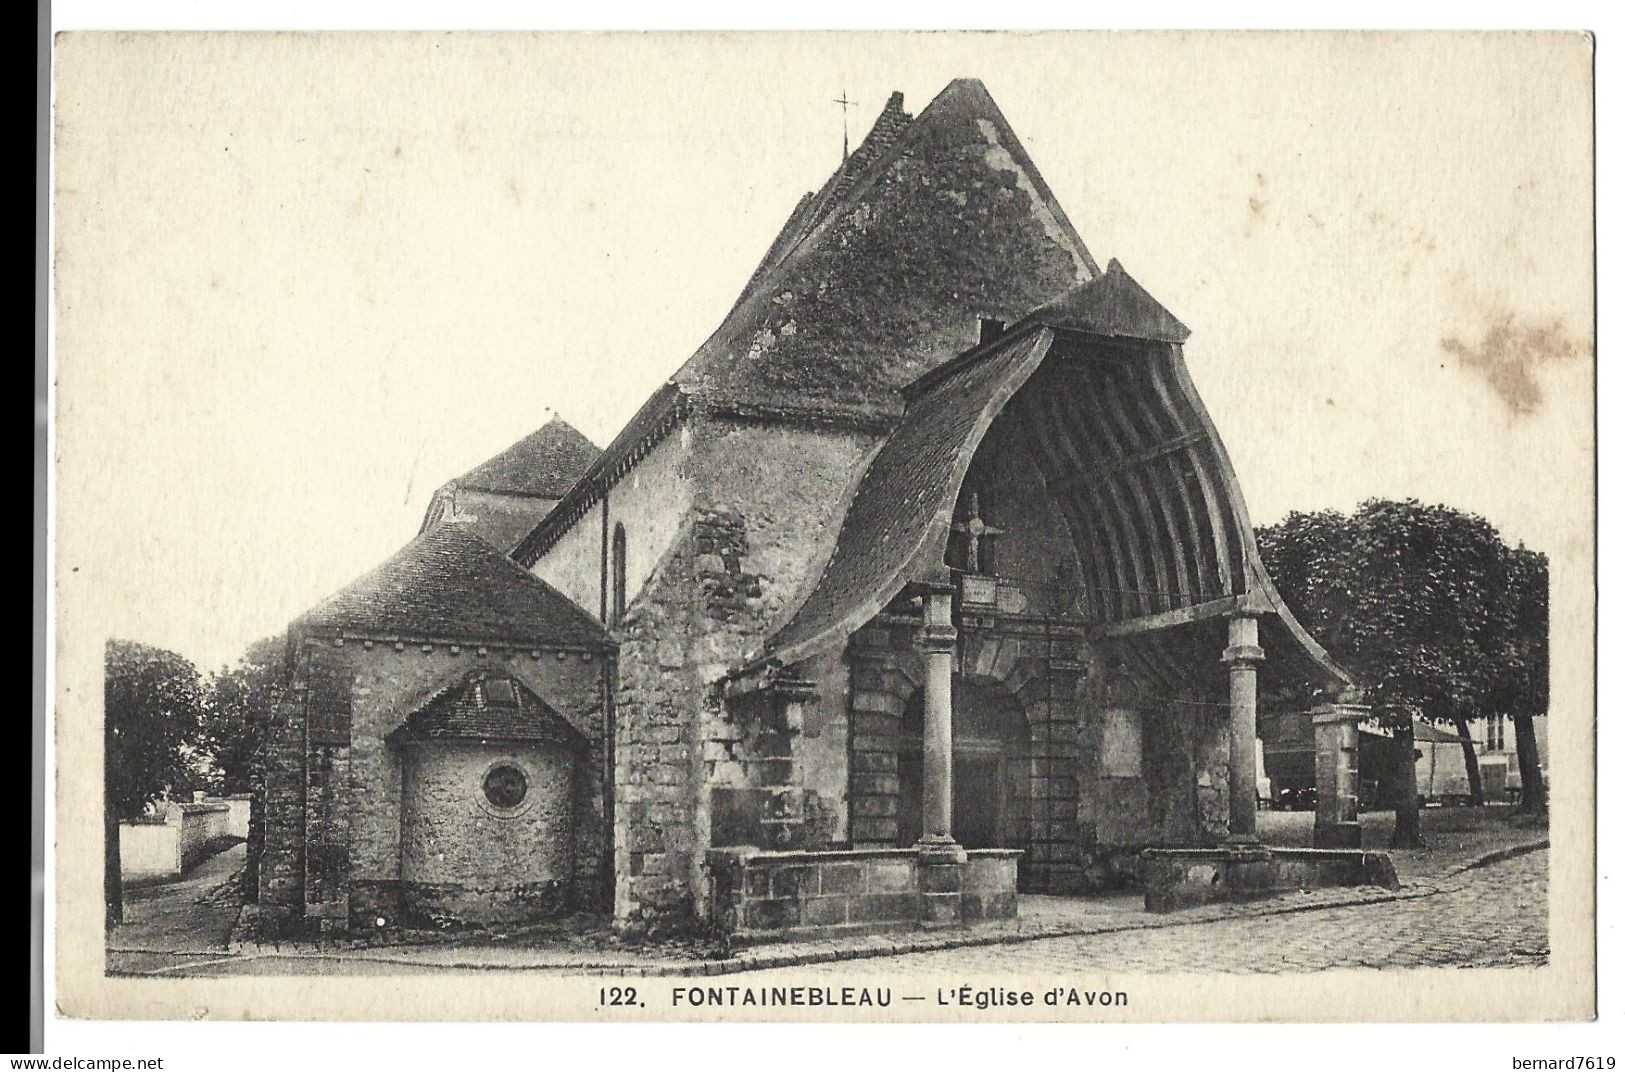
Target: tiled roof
450, 584
545, 463
899, 515
502, 521
1427, 733
1112, 304
488, 706
881, 276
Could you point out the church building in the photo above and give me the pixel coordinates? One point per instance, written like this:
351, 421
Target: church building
926, 582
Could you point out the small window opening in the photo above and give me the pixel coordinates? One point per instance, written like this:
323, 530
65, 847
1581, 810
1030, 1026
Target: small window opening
617, 609
505, 786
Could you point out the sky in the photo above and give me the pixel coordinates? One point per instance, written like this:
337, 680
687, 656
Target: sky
303, 280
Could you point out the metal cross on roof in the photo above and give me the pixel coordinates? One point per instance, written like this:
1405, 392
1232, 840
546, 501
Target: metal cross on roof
845, 104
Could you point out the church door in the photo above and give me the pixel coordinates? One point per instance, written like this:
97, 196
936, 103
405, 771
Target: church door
990, 774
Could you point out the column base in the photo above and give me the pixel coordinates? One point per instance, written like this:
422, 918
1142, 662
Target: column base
939, 850
941, 869
1337, 835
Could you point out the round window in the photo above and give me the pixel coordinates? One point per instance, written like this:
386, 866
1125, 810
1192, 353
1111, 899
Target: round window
505, 786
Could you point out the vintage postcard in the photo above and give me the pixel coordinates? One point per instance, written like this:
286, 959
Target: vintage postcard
870, 527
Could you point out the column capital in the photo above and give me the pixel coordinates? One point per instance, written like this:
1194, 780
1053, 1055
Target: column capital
937, 632
1242, 655
1323, 713
1244, 649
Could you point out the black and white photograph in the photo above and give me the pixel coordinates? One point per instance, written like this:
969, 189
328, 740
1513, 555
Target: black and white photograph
849, 526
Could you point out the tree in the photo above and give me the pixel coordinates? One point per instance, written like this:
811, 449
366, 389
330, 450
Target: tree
1519, 687
154, 701
1415, 601
240, 698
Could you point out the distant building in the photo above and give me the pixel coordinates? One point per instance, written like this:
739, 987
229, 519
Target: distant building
1441, 764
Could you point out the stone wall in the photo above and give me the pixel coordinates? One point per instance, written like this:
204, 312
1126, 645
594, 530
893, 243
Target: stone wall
1038, 665
167, 844
651, 501
332, 785
775, 895
1186, 878
149, 850
656, 776
690, 768
464, 859
201, 828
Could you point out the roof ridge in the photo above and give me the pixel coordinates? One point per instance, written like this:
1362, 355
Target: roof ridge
543, 463
815, 207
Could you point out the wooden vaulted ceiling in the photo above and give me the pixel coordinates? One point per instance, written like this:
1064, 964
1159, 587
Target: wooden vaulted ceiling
1127, 463
1096, 387
1133, 463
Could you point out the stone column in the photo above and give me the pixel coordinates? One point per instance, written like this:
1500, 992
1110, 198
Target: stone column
1337, 775
940, 855
1242, 657
938, 640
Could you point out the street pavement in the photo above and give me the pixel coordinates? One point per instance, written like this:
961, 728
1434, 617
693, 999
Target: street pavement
1489, 917
177, 922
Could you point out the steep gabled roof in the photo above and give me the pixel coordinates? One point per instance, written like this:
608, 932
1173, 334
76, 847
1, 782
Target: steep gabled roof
544, 464
501, 520
449, 584
1096, 382
903, 506
881, 275
875, 279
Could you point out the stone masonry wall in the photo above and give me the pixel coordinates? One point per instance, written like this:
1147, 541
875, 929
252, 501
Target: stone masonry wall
760, 528
464, 859
1172, 792
651, 502
332, 785
778, 895
656, 781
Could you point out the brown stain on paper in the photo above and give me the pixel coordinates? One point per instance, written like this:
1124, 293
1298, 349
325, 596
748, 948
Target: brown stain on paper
1509, 354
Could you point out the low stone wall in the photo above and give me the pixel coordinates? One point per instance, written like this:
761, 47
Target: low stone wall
1185, 878
239, 806
200, 828
159, 847
148, 850
756, 895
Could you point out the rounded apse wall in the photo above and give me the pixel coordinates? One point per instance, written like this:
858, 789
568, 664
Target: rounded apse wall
487, 831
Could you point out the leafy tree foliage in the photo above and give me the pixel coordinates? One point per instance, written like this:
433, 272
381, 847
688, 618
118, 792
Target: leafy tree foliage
240, 698
154, 706
154, 713
1426, 605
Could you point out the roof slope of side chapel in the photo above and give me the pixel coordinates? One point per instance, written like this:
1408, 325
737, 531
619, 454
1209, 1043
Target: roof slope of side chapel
543, 465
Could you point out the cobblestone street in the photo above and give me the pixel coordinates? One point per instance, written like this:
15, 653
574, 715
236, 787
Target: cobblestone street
1492, 916
1448, 913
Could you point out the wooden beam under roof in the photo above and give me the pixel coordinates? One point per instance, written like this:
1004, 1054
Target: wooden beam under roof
1213, 608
